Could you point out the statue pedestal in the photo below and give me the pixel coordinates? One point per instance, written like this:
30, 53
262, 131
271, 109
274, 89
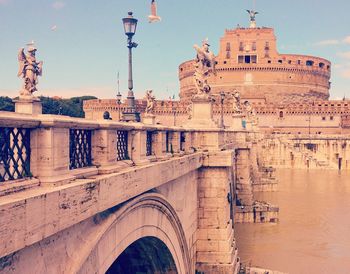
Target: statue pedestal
202, 112
28, 105
149, 119
237, 119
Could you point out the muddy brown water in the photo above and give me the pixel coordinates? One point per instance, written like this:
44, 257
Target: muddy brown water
313, 234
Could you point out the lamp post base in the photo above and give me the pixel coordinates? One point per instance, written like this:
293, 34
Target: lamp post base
131, 117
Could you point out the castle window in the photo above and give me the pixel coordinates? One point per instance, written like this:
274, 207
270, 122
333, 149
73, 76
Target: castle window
309, 63
267, 46
299, 62
289, 62
269, 61
331, 118
280, 61
323, 118
225, 62
228, 46
240, 59
281, 114
328, 67
321, 65
181, 69
253, 59
228, 55
254, 46
241, 47
247, 59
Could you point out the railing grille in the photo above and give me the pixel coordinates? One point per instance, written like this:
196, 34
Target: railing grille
122, 145
167, 141
14, 153
79, 148
182, 141
149, 143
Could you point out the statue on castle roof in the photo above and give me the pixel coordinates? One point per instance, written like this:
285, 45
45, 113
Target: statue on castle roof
252, 14
29, 70
204, 65
150, 101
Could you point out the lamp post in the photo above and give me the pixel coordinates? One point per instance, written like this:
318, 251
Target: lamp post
130, 114
119, 101
222, 97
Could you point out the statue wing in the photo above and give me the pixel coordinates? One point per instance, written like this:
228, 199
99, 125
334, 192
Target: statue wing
21, 62
248, 11
40, 68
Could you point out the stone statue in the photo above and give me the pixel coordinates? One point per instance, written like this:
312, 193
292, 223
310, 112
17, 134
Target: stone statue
250, 113
150, 101
252, 14
237, 108
189, 111
29, 70
204, 65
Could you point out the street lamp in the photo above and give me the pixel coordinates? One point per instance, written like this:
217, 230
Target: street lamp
130, 114
222, 97
119, 101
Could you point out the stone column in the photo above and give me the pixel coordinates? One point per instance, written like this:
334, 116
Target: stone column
49, 159
216, 250
244, 188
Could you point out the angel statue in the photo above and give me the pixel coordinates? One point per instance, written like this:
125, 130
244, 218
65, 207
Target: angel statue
204, 65
29, 70
252, 14
250, 112
237, 108
150, 101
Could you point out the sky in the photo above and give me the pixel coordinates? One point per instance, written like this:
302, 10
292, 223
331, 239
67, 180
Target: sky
83, 45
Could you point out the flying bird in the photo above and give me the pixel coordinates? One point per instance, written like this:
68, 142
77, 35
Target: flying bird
54, 27
153, 17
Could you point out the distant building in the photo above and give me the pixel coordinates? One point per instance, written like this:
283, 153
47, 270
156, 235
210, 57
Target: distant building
289, 92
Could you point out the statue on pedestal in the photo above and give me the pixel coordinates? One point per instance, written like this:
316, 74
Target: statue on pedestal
150, 101
252, 14
29, 70
237, 108
250, 113
204, 65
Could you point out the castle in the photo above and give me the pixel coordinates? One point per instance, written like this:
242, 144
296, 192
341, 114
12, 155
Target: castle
289, 92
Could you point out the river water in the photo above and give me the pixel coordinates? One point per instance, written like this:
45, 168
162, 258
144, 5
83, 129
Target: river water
313, 233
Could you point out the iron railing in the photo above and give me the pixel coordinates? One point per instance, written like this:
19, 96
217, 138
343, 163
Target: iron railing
149, 143
167, 141
122, 145
79, 148
182, 141
14, 153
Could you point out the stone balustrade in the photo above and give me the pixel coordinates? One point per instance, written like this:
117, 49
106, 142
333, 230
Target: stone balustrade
57, 149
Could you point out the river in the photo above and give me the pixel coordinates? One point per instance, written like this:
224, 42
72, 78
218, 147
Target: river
313, 233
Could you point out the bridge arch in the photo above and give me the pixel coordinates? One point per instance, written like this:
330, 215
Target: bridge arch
146, 219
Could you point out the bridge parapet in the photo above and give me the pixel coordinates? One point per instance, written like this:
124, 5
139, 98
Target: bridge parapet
79, 169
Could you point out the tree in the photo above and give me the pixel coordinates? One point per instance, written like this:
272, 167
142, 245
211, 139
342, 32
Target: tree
6, 104
70, 107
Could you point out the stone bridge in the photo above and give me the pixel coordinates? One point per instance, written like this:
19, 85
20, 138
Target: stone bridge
82, 196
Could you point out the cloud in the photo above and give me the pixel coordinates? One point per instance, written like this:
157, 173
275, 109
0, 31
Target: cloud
347, 40
327, 42
345, 73
4, 2
345, 54
57, 5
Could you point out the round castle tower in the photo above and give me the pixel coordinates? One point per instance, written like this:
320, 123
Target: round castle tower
249, 62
